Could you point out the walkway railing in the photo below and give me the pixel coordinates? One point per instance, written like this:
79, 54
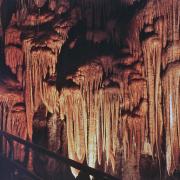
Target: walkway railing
39, 149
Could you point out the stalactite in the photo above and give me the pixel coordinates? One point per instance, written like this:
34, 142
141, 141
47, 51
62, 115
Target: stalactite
129, 79
39, 3
164, 21
88, 76
40, 61
5, 109
22, 10
171, 87
72, 105
12, 36
97, 127
43, 63
8, 99
88, 85
14, 58
152, 58
60, 6
18, 128
52, 5
101, 109
111, 116
171, 54
166, 18
133, 138
118, 104
38, 19
28, 90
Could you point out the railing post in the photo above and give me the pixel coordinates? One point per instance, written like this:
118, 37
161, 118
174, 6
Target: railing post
11, 154
26, 157
11, 146
1, 143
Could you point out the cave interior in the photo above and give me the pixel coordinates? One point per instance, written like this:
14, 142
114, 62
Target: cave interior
95, 81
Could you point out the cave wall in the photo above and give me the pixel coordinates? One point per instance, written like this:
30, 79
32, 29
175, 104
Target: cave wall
106, 74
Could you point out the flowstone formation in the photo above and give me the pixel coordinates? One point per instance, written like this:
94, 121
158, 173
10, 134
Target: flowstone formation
103, 77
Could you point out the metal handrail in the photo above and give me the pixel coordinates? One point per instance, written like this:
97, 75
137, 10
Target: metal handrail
86, 169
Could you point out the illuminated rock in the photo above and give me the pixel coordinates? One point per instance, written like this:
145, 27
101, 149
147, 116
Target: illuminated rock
109, 75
